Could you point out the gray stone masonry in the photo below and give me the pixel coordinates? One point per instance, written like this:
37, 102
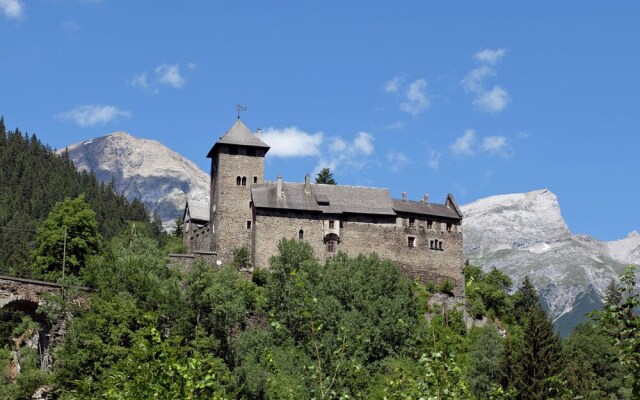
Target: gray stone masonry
231, 203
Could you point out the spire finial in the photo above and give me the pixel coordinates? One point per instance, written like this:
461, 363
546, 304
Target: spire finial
240, 108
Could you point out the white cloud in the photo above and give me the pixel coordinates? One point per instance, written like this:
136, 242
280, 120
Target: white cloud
140, 81
162, 75
93, 114
395, 125
492, 101
473, 81
464, 144
292, 142
393, 85
416, 98
170, 75
494, 144
434, 159
364, 143
337, 145
396, 160
12, 8
490, 56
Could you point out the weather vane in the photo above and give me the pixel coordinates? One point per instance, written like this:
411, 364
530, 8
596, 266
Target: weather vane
240, 108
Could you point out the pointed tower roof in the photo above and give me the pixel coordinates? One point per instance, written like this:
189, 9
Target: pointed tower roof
239, 135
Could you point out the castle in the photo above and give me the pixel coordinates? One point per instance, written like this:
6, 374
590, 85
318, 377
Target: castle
422, 238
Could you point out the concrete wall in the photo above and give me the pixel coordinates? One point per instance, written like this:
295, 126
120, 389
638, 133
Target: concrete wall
385, 235
231, 202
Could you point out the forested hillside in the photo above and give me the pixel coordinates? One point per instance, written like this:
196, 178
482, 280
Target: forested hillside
33, 179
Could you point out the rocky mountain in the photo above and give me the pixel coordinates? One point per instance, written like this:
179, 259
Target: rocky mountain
145, 169
525, 234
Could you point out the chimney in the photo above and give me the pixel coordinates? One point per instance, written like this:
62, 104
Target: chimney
404, 196
307, 184
259, 132
279, 187
426, 198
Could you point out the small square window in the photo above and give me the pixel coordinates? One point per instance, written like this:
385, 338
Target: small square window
255, 179
248, 224
429, 224
449, 226
331, 224
411, 241
412, 221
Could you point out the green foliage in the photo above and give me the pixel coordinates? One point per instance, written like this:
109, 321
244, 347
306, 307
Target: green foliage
29, 378
326, 177
488, 293
67, 237
589, 370
241, 258
158, 368
483, 373
623, 326
34, 178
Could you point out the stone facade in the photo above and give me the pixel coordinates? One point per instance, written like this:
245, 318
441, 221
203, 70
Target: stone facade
423, 239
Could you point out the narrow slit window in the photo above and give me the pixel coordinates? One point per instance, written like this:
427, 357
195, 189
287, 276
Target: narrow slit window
248, 224
238, 181
301, 234
244, 181
255, 179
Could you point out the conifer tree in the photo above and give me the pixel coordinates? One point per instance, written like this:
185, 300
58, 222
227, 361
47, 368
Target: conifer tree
326, 177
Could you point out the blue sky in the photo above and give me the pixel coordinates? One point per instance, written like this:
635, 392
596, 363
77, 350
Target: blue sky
475, 98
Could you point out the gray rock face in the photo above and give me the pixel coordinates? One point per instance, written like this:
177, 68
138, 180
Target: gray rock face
145, 169
525, 234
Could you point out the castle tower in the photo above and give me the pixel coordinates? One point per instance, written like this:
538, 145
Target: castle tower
237, 162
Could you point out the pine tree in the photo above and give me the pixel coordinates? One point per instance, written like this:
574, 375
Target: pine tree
540, 356
525, 299
326, 177
613, 295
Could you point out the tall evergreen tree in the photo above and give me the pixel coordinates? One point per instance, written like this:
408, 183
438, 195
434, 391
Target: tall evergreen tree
326, 177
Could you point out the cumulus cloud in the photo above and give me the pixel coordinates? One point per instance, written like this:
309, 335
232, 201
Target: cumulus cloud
416, 98
434, 159
464, 144
494, 144
364, 143
170, 75
292, 142
12, 8
468, 144
393, 85
490, 56
93, 114
337, 145
495, 99
396, 160
163, 75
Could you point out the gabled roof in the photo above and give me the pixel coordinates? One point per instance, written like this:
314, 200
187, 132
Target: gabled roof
448, 210
341, 199
239, 135
197, 211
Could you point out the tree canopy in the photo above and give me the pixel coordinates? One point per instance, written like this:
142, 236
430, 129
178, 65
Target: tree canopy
326, 177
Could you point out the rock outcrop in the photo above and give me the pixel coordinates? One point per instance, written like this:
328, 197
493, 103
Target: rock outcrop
145, 169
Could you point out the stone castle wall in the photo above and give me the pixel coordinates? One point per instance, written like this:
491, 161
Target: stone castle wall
231, 203
197, 238
386, 236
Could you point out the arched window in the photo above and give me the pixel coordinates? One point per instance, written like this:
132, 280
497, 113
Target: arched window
300, 234
244, 181
238, 181
331, 241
